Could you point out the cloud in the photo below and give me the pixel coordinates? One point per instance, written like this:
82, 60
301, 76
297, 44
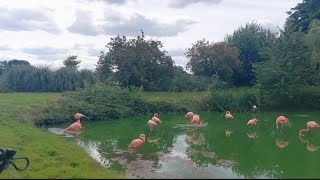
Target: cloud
84, 24
89, 48
116, 25
184, 3
46, 52
4, 48
27, 20
118, 2
267, 24
177, 52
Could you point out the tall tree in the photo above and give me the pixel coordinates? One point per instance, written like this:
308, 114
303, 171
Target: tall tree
252, 40
208, 59
72, 62
137, 62
301, 16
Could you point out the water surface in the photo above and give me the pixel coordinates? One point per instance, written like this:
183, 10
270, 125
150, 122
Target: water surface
220, 149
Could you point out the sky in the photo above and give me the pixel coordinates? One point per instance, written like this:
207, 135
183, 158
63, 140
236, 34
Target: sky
45, 32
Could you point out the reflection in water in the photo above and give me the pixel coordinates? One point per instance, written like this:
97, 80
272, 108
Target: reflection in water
252, 134
310, 146
228, 132
181, 151
281, 143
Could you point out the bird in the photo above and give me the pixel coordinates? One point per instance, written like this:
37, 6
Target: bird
156, 114
254, 109
136, 143
310, 125
156, 119
74, 127
79, 116
228, 115
189, 114
151, 123
253, 121
281, 120
196, 119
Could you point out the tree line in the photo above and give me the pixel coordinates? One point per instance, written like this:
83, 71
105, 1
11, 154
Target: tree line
281, 63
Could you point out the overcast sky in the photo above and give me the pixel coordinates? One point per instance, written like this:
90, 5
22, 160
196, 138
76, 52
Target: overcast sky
45, 32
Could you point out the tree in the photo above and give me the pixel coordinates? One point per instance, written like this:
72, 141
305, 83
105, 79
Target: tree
136, 62
252, 40
72, 62
207, 59
302, 15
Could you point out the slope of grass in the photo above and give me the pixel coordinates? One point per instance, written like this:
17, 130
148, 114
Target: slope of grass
50, 156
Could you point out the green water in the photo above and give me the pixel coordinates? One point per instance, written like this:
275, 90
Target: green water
220, 149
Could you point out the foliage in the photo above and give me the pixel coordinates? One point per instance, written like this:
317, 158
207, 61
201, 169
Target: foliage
288, 69
233, 99
302, 15
136, 62
252, 40
216, 58
71, 62
104, 102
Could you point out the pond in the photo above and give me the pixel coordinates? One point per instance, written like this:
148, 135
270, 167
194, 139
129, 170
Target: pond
220, 149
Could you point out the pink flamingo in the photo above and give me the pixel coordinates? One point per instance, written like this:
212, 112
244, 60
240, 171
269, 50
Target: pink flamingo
228, 115
189, 115
156, 119
310, 125
253, 121
151, 123
196, 119
79, 116
76, 126
281, 120
136, 143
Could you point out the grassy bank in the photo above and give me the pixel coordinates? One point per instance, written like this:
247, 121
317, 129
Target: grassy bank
50, 156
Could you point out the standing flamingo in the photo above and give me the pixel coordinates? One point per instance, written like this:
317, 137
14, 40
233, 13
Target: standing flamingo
228, 115
253, 121
136, 143
76, 126
156, 119
151, 124
189, 115
310, 125
281, 120
196, 119
79, 116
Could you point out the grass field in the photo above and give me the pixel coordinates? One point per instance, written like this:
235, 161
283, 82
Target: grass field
50, 156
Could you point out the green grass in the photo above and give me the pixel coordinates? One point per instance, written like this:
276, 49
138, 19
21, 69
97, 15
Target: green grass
174, 96
50, 156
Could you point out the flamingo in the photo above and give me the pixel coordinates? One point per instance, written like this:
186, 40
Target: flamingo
151, 123
76, 126
281, 120
156, 114
189, 115
228, 115
254, 109
310, 125
253, 121
196, 119
156, 119
136, 143
79, 116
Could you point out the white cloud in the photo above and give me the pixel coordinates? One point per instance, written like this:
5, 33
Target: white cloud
48, 31
27, 20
